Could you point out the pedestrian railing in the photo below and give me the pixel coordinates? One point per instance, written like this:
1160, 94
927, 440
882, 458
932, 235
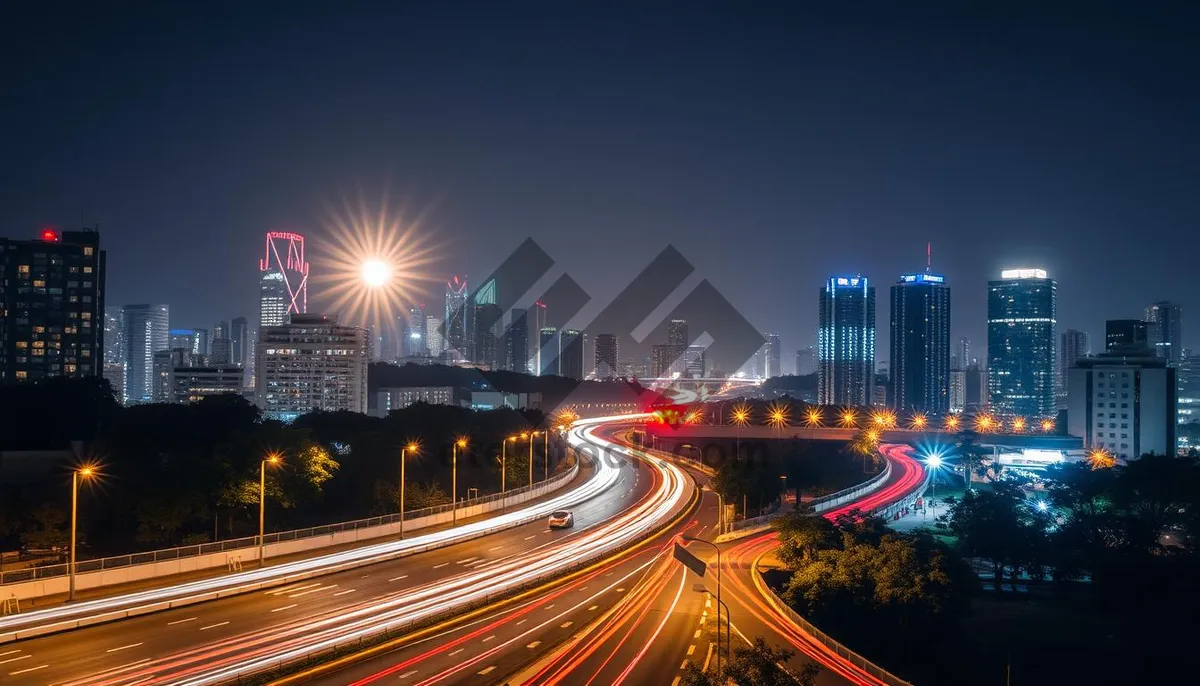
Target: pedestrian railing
825, 502
103, 563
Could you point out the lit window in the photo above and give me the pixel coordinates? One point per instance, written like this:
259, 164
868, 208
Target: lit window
87, 270
88, 250
21, 345
23, 269
21, 375
39, 283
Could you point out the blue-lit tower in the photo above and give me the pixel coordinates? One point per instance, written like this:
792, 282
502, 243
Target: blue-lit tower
920, 328
1021, 345
846, 341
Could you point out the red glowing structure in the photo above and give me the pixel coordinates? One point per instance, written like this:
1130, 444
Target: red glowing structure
285, 255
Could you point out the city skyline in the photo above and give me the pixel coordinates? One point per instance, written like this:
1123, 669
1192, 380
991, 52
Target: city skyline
1013, 184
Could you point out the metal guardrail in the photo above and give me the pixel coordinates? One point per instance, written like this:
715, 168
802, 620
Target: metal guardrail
829, 642
103, 563
825, 502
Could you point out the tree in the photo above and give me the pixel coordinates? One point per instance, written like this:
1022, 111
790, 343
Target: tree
419, 496
161, 519
802, 536
759, 665
45, 529
970, 455
999, 525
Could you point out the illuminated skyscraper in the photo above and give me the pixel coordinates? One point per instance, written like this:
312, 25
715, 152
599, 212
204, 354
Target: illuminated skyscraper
413, 335
607, 354
1021, 343
771, 356
550, 345
114, 352
846, 342
433, 330
284, 279
456, 316
146, 331
1073, 345
311, 364
1164, 328
920, 328
516, 341
573, 350
806, 361
52, 301
239, 340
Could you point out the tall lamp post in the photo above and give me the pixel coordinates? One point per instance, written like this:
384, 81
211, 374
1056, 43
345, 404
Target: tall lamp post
504, 463
85, 472
458, 443
262, 502
412, 447
728, 618
546, 453
530, 435
934, 462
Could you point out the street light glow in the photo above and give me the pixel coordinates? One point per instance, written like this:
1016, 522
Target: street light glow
813, 418
1042, 506
934, 461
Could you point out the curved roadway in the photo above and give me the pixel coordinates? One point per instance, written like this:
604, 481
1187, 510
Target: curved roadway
222, 639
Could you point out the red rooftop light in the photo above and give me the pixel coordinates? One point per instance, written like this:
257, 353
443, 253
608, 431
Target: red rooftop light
50, 235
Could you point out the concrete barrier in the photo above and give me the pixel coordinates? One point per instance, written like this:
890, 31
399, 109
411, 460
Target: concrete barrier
140, 572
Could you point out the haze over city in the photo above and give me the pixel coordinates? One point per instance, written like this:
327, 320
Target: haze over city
774, 146
622, 344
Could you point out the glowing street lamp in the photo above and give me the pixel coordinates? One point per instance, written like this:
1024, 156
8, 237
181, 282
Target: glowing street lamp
1018, 424
460, 442
85, 472
952, 423
777, 416
1101, 459
412, 447
272, 459
918, 422
741, 415
934, 462
813, 417
848, 419
985, 422
1047, 425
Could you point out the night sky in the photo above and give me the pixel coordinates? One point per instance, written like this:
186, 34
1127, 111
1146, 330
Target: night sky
772, 147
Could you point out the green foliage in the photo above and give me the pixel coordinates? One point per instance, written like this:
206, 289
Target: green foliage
418, 496
1001, 525
802, 536
46, 528
759, 665
860, 577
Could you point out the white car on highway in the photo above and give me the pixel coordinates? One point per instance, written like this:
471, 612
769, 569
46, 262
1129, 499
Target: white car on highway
562, 519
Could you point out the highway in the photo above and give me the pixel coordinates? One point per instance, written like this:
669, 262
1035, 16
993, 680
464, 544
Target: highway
222, 639
636, 620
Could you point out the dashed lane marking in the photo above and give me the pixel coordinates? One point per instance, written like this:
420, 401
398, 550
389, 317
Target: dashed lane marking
397, 578
533, 645
213, 626
285, 607
181, 621
31, 669
485, 670
444, 564
131, 645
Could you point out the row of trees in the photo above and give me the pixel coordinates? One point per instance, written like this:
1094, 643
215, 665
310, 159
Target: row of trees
172, 474
1106, 525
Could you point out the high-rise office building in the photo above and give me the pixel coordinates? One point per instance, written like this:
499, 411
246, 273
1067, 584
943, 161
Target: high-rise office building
771, 356
607, 354
662, 360
963, 353
222, 346
114, 351
1164, 329
806, 361
1021, 343
486, 321
1072, 346
516, 341
239, 339
164, 364
456, 316
550, 346
1124, 401
920, 329
573, 351
52, 299
693, 365
147, 331
284, 279
677, 334
414, 336
311, 363
181, 338
846, 341
433, 332
201, 345
1125, 333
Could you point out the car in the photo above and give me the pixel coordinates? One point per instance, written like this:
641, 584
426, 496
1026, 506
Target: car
562, 519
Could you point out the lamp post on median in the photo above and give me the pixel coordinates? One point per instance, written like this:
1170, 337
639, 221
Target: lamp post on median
85, 472
262, 502
411, 447
934, 462
458, 443
546, 452
728, 618
530, 435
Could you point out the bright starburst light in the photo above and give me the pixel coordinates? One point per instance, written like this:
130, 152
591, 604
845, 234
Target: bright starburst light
372, 264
